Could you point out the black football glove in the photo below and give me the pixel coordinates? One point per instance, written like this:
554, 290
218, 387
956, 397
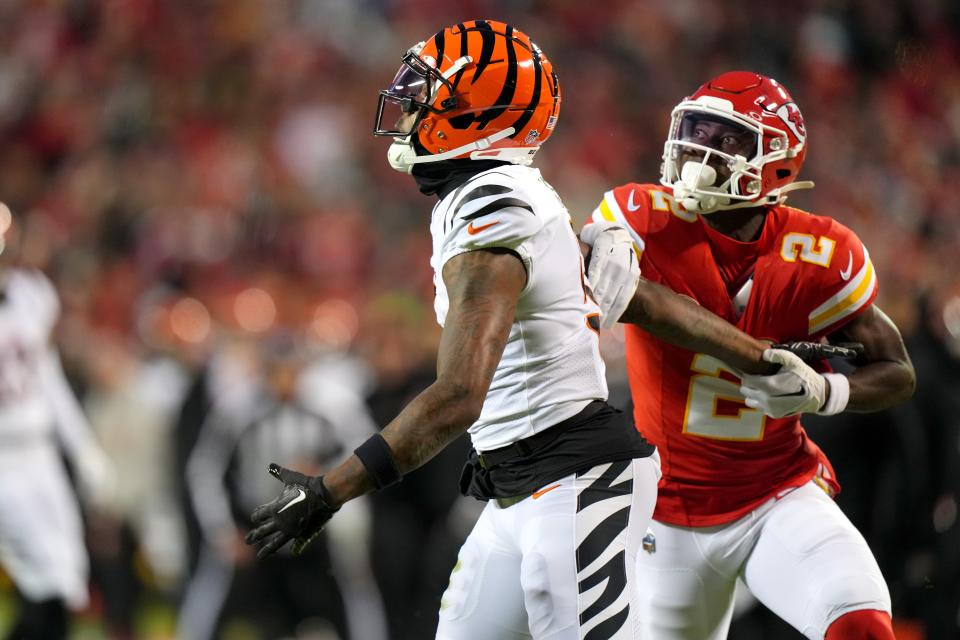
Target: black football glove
816, 351
299, 513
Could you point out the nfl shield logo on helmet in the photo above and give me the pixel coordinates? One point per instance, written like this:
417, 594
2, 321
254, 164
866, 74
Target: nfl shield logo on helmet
531, 137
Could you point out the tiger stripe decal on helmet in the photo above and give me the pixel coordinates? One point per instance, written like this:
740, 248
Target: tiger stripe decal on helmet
493, 94
487, 41
528, 112
509, 86
463, 52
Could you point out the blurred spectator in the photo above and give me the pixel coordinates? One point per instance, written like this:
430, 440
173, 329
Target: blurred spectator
132, 403
931, 572
416, 533
41, 534
298, 412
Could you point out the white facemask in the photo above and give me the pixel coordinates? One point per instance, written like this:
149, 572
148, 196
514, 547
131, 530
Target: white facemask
698, 175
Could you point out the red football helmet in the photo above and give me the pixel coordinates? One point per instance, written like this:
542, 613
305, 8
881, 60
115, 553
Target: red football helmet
480, 90
756, 111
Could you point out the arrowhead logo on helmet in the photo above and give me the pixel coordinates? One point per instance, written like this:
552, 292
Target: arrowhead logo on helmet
790, 114
476, 89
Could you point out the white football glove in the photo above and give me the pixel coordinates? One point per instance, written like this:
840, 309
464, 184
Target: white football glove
614, 269
795, 388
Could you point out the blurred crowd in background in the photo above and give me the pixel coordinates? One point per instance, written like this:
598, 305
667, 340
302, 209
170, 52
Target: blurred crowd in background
200, 181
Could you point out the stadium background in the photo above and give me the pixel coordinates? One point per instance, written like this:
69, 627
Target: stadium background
199, 177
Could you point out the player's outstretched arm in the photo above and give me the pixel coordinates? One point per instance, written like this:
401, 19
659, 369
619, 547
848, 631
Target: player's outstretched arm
624, 296
679, 320
483, 288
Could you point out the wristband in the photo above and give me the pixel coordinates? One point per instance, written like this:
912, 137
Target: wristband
376, 456
839, 394
317, 486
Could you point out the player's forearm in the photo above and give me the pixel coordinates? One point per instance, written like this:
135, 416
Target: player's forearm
880, 385
425, 426
681, 321
429, 423
483, 287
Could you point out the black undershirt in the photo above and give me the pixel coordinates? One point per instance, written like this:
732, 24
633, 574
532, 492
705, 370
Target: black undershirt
597, 435
441, 178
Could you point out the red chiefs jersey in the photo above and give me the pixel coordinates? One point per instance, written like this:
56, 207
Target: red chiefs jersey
805, 277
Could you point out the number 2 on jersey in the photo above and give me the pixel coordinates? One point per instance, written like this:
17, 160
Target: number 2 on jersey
804, 246
715, 408
663, 201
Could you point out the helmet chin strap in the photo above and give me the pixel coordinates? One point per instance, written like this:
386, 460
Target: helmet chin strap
774, 196
402, 156
780, 194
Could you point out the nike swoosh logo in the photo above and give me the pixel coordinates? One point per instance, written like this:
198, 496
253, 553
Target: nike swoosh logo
537, 494
299, 498
631, 205
845, 274
472, 230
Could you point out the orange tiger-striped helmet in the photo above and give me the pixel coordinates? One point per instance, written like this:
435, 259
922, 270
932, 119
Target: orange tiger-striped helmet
480, 90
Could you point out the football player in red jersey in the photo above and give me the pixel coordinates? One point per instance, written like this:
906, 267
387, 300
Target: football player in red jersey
745, 493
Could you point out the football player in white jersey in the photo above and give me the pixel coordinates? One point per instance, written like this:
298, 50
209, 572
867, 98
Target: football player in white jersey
570, 483
41, 534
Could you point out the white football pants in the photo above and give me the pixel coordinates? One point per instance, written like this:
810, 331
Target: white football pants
799, 555
560, 564
41, 534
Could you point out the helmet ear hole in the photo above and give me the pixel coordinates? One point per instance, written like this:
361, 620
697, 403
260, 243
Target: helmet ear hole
783, 173
462, 121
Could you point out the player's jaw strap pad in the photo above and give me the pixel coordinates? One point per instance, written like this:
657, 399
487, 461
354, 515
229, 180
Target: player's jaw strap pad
376, 456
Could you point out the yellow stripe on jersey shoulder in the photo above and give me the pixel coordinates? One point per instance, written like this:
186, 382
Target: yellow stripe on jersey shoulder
848, 300
610, 210
605, 211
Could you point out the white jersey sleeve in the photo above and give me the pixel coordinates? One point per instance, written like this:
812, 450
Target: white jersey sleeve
488, 216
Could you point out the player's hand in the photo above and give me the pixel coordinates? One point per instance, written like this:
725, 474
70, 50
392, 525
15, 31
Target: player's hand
614, 269
795, 388
812, 352
299, 513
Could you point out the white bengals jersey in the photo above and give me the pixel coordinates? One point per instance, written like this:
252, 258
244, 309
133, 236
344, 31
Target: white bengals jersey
28, 312
551, 366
